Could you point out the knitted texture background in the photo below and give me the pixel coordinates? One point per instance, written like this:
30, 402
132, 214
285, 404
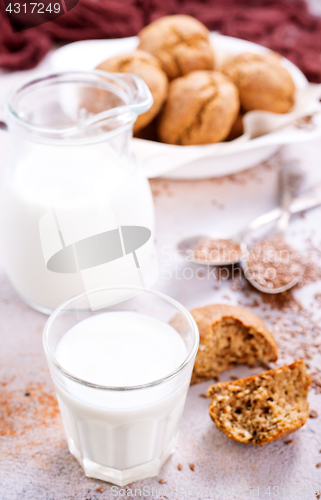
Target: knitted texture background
285, 26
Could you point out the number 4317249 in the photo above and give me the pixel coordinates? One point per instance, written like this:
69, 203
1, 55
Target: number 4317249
38, 8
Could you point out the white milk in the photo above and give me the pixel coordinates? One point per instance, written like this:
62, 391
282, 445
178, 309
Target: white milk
121, 436
49, 178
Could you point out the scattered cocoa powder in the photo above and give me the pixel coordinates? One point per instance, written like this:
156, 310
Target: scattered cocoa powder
295, 328
316, 382
19, 413
317, 297
160, 187
306, 122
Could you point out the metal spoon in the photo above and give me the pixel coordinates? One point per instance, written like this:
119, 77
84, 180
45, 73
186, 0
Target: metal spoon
186, 247
291, 177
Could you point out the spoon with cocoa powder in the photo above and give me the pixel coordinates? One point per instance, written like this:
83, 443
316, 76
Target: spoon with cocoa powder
220, 249
272, 265
214, 250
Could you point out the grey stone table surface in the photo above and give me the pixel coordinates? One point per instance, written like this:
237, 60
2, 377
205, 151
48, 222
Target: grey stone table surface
34, 460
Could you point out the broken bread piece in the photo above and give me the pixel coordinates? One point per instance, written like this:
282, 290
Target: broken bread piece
229, 335
262, 408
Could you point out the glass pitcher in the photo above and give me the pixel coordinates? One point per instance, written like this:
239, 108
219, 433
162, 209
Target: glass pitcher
76, 210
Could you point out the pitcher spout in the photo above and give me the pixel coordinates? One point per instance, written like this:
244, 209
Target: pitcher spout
141, 97
119, 107
87, 104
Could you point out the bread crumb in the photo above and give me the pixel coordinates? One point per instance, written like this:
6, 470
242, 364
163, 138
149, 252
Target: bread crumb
289, 441
229, 335
264, 407
203, 396
313, 414
162, 481
318, 465
192, 466
100, 489
180, 467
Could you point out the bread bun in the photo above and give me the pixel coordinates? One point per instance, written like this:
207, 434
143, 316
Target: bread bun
228, 335
201, 109
262, 408
262, 82
180, 43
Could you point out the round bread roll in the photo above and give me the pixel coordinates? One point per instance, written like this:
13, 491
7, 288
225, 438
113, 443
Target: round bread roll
237, 128
201, 109
180, 43
262, 82
146, 66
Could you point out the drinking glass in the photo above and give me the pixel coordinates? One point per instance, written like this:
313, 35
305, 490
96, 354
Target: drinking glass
121, 434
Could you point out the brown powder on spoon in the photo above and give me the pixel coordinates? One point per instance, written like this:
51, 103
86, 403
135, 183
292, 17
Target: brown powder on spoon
295, 326
273, 263
217, 250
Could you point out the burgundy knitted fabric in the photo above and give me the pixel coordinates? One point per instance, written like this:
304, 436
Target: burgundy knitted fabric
285, 26
20, 50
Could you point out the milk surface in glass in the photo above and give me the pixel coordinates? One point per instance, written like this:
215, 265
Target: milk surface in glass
128, 433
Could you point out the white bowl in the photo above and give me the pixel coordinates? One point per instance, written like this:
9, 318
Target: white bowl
196, 162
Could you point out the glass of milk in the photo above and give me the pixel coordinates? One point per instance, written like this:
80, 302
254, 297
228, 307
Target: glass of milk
72, 178
121, 375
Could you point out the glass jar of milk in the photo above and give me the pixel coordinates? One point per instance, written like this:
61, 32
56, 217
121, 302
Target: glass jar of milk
76, 209
121, 376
